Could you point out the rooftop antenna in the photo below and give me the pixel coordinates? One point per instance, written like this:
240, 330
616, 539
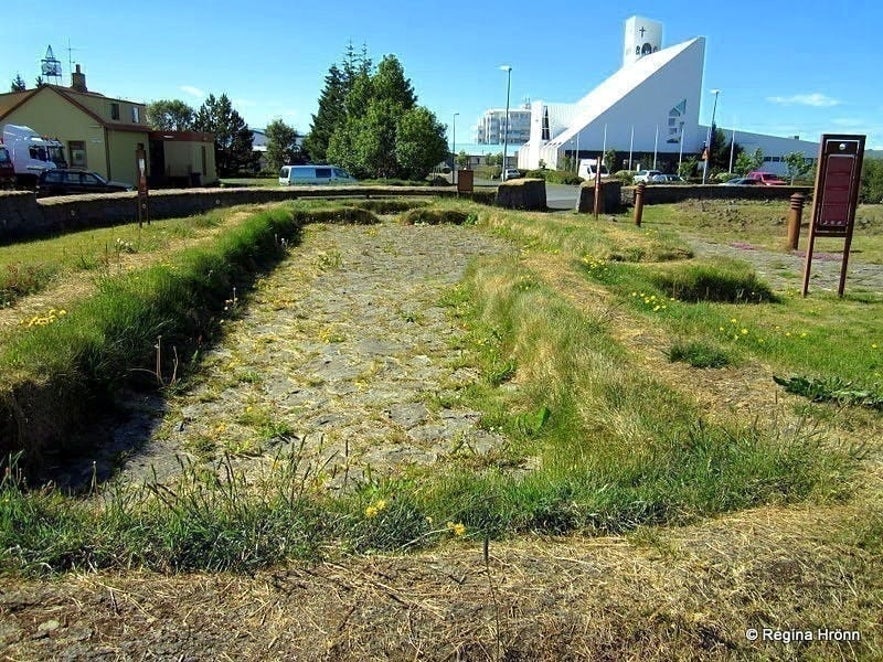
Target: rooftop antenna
50, 67
70, 61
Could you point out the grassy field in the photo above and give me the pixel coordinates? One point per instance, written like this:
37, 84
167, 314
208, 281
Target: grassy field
634, 380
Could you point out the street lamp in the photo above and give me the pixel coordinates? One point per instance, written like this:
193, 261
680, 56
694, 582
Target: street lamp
708, 138
508, 71
454, 152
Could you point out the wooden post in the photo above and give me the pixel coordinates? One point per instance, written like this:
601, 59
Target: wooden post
795, 217
639, 203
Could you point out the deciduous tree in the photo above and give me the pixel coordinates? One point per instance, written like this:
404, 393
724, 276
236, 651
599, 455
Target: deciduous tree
281, 147
170, 115
420, 142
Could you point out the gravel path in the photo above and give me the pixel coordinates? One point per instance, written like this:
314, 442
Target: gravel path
334, 359
784, 270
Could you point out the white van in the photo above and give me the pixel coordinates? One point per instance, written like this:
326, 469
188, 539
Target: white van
588, 169
314, 174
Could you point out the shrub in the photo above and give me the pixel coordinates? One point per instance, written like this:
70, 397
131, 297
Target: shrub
554, 176
698, 355
436, 217
627, 177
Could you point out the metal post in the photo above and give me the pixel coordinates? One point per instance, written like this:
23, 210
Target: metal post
656, 147
577, 152
732, 149
454, 152
508, 71
709, 138
631, 146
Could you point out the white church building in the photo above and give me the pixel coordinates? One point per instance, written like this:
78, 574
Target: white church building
649, 107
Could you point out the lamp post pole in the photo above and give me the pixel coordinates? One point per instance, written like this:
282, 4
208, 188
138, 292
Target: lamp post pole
732, 149
454, 152
708, 137
508, 71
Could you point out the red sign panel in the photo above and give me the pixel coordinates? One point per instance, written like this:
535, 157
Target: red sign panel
837, 185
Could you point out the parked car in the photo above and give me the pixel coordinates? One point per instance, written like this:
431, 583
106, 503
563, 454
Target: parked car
664, 179
645, 175
62, 181
767, 178
742, 181
510, 173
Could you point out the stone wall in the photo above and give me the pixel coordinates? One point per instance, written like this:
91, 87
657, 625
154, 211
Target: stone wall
522, 194
611, 197
23, 216
658, 194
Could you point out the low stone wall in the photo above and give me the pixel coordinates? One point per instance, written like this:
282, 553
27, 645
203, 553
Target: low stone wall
658, 194
22, 216
611, 197
522, 194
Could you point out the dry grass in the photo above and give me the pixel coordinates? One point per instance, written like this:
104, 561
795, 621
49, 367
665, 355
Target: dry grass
687, 593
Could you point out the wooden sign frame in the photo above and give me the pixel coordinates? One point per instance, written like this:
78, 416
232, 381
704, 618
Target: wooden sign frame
835, 196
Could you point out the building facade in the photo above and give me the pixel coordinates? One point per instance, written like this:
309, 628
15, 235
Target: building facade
491, 127
101, 133
647, 111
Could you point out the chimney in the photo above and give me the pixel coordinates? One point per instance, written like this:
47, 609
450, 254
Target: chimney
78, 80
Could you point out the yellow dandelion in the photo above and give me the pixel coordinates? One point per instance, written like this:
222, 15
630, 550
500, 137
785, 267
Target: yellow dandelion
873, 345
744, 331
457, 529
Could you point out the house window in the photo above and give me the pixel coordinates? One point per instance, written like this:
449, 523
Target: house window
114, 111
77, 149
136, 115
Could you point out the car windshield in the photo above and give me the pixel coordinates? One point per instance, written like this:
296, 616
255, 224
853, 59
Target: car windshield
4, 155
98, 177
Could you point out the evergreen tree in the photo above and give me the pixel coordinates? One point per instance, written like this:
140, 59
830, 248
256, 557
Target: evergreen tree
233, 139
332, 113
170, 115
18, 84
281, 147
330, 116
38, 81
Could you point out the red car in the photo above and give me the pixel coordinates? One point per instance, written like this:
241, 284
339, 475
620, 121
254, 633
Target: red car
766, 178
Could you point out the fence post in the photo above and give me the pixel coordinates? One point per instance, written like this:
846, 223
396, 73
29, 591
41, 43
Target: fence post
639, 203
794, 219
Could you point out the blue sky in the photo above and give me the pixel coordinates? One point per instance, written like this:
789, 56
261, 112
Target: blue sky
783, 68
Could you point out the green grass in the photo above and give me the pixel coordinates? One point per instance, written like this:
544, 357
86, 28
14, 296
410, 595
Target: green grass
698, 354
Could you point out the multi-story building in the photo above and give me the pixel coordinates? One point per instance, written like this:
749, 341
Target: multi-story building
492, 126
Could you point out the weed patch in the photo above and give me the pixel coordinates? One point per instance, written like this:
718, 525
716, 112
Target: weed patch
698, 354
831, 389
433, 216
727, 281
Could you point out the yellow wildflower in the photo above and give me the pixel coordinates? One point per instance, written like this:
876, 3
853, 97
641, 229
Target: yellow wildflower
457, 529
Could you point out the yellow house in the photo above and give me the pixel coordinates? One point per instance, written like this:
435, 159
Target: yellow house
102, 133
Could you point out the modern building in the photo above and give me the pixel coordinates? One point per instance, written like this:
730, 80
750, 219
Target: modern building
102, 133
491, 127
647, 111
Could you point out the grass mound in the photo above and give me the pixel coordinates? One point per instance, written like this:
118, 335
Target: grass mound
434, 216
723, 281
698, 354
388, 206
